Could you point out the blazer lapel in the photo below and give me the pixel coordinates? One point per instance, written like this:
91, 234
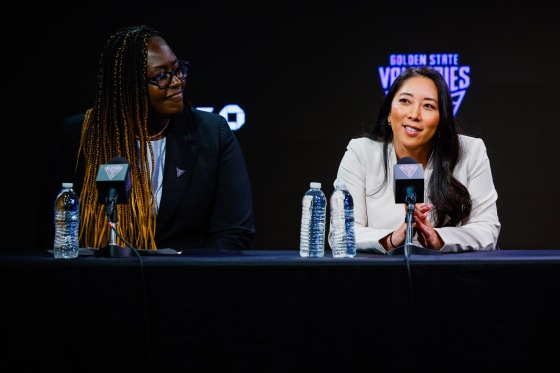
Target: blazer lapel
180, 159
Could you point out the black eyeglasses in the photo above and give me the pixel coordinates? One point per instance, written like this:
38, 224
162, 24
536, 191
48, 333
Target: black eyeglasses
164, 79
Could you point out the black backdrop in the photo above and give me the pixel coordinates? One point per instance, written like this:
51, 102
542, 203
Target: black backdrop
306, 77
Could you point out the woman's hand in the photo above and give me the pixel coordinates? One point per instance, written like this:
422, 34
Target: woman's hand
396, 238
427, 235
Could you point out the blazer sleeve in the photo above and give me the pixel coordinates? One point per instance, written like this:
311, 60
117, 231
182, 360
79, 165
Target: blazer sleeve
481, 230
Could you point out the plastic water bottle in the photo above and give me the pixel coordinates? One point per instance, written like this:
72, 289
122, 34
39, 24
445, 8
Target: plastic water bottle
313, 216
343, 239
66, 223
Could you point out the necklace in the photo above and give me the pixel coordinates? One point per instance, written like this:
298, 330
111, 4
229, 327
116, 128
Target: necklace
160, 132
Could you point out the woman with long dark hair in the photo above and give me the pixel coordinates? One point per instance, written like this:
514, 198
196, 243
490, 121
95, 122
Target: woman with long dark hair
416, 120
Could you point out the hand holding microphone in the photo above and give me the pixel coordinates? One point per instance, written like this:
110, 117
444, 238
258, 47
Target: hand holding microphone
409, 189
421, 221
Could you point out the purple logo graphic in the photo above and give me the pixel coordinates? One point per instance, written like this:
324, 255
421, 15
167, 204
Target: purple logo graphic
408, 169
457, 76
113, 170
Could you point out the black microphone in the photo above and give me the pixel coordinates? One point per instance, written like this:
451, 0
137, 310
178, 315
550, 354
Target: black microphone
114, 186
409, 189
113, 181
409, 181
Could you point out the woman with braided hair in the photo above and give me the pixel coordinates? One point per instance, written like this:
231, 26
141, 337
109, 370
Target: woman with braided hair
190, 185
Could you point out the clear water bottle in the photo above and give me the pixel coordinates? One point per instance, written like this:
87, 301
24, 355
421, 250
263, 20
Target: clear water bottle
343, 239
313, 216
66, 223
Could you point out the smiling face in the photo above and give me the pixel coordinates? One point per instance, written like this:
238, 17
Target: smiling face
161, 59
414, 118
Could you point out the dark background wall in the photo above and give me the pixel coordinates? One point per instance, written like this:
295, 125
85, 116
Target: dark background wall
307, 79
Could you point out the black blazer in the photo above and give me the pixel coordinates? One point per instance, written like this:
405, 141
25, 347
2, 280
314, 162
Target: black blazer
206, 200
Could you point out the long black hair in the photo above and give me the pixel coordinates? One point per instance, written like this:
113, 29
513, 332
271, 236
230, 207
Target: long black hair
450, 197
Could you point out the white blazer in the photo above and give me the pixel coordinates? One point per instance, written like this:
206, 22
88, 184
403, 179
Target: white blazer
377, 215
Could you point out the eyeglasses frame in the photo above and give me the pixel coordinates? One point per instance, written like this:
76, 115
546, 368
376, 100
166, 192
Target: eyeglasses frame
154, 80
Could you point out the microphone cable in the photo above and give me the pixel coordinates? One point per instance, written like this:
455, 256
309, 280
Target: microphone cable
407, 247
144, 291
415, 335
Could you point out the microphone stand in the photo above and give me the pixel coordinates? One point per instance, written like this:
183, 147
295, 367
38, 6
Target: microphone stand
408, 247
410, 200
113, 250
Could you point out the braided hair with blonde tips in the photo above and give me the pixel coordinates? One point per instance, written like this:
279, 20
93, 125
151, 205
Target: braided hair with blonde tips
113, 127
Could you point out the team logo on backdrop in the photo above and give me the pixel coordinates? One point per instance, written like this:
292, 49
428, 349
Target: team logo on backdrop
456, 75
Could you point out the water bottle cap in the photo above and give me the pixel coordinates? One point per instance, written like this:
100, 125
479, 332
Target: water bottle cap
340, 184
315, 185
67, 185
